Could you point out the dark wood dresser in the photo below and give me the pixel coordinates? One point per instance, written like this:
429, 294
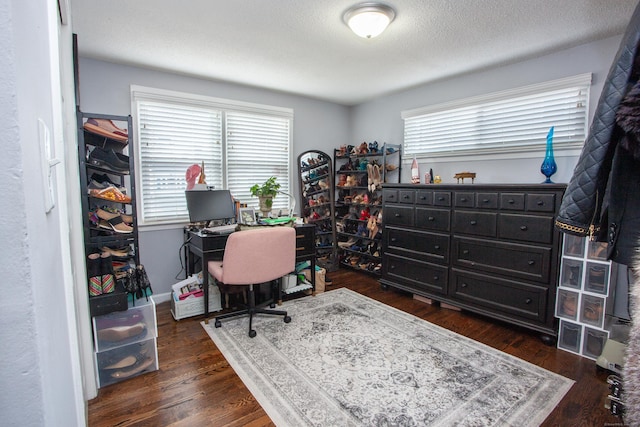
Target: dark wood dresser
490, 249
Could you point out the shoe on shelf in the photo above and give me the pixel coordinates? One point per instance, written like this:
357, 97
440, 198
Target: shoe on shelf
108, 278
108, 159
94, 274
110, 193
106, 128
138, 367
114, 221
120, 333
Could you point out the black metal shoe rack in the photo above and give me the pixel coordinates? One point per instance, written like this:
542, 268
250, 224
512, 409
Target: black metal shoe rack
316, 188
357, 249
94, 237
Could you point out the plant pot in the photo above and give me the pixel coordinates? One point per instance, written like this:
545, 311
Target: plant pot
266, 203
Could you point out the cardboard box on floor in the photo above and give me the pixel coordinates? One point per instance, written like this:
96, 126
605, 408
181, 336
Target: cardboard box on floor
320, 278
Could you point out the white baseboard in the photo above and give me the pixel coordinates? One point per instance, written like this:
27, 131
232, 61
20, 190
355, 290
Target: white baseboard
158, 298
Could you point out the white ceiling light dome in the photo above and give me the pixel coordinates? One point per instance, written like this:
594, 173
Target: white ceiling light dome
369, 19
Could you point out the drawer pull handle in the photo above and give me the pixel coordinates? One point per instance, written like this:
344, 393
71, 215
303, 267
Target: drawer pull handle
423, 197
406, 196
474, 222
393, 240
392, 267
540, 203
464, 285
463, 199
440, 199
511, 201
485, 200
397, 215
431, 218
436, 277
465, 252
528, 301
524, 228
436, 247
531, 262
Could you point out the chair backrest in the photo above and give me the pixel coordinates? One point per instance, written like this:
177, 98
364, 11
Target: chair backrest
259, 255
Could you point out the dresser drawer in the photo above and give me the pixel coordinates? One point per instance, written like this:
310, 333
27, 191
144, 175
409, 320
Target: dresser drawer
399, 215
512, 201
464, 199
424, 197
487, 201
389, 195
509, 259
476, 223
442, 198
515, 299
417, 244
541, 202
526, 228
406, 197
433, 219
417, 275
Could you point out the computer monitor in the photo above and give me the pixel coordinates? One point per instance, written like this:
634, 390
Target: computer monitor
209, 205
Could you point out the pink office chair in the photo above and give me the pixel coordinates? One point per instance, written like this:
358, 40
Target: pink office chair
252, 257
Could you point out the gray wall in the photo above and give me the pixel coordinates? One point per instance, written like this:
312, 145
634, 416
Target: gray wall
380, 119
105, 88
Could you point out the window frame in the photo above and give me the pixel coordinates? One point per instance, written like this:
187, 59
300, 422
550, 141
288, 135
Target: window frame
143, 93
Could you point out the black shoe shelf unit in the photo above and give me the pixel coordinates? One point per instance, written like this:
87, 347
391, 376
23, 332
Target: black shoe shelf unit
122, 312
360, 172
316, 187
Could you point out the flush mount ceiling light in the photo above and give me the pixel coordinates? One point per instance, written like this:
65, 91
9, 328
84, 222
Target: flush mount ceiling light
369, 19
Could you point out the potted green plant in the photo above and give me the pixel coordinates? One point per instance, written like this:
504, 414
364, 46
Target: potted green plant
265, 193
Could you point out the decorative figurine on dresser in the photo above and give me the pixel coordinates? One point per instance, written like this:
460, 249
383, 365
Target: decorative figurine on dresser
360, 172
316, 187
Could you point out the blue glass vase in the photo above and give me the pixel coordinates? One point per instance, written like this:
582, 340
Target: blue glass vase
549, 166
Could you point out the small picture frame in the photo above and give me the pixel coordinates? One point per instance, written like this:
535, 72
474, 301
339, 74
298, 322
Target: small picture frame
247, 216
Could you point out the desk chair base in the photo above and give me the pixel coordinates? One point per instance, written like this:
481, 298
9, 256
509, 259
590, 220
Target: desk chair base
251, 310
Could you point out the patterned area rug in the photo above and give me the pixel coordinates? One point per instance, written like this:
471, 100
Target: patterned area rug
348, 360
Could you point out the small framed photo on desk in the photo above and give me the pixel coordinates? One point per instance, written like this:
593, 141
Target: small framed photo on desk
247, 216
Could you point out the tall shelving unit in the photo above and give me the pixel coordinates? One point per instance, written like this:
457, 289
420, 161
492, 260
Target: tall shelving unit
316, 187
358, 205
584, 296
125, 330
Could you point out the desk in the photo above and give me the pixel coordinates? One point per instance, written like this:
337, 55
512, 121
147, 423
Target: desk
210, 247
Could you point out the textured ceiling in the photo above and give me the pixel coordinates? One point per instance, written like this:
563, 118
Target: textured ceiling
303, 47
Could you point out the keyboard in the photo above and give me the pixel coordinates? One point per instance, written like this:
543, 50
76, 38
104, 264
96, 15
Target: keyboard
220, 229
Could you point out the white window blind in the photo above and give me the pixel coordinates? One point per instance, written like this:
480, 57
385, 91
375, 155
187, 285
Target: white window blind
240, 144
257, 148
506, 122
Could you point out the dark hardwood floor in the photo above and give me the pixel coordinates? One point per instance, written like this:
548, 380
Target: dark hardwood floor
195, 386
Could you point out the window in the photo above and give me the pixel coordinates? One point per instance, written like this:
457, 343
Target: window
506, 122
240, 145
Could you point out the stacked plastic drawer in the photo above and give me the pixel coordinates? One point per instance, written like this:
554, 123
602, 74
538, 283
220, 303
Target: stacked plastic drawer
125, 343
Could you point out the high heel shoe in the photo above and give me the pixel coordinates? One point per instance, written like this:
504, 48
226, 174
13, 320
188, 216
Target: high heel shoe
143, 282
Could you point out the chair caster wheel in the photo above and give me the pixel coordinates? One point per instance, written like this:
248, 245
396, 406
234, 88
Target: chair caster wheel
217, 324
287, 319
252, 333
